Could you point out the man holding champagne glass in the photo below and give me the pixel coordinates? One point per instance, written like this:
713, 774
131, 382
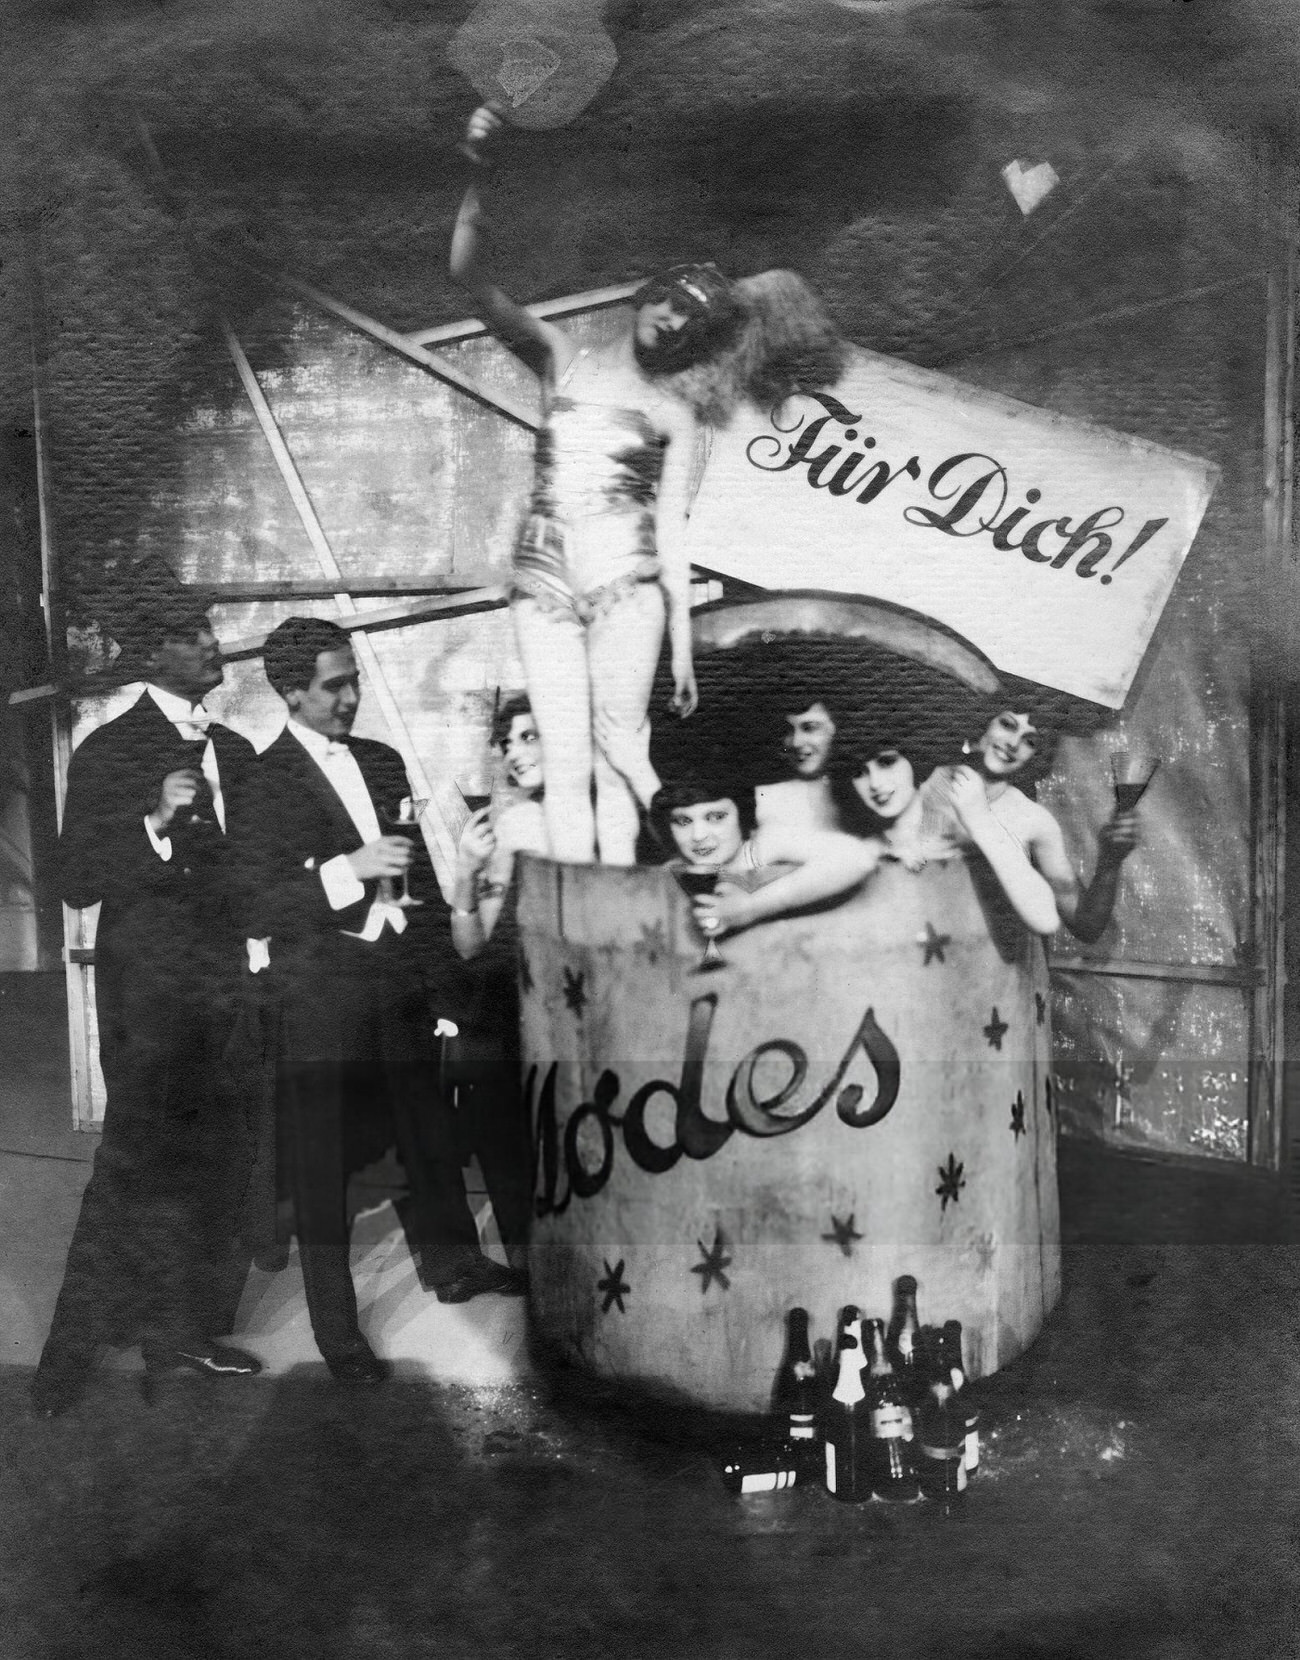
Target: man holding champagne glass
343, 887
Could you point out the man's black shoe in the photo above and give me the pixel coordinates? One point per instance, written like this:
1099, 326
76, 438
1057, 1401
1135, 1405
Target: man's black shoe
211, 1360
361, 1366
477, 1277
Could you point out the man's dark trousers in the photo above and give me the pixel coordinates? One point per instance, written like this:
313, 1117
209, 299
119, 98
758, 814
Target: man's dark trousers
358, 1062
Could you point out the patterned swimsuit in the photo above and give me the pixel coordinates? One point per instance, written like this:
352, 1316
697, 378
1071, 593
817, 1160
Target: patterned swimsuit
590, 534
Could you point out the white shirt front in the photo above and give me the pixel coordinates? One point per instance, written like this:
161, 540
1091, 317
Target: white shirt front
342, 885
191, 721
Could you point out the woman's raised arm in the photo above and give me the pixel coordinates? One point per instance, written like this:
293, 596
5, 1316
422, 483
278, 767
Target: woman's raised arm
825, 864
545, 349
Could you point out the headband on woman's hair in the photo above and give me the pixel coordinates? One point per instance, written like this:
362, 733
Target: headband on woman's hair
701, 287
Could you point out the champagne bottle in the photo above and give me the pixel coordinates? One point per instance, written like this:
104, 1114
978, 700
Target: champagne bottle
903, 1341
794, 1393
826, 1382
939, 1448
845, 1430
764, 1469
890, 1423
962, 1393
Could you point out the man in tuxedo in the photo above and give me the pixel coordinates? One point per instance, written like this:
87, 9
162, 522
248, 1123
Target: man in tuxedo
352, 971
154, 831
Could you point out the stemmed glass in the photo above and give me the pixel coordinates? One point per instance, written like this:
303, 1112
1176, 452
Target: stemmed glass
404, 822
1128, 790
699, 879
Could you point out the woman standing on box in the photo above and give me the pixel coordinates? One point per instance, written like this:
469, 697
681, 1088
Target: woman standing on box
600, 566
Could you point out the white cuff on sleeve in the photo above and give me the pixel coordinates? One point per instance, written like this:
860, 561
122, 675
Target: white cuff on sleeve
259, 954
343, 887
162, 845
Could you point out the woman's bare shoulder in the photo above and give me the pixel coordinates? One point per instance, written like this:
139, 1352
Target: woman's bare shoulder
1025, 817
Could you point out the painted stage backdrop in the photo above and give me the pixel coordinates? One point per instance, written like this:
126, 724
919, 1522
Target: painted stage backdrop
409, 479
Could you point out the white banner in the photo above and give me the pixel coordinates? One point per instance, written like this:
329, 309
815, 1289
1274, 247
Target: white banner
1051, 544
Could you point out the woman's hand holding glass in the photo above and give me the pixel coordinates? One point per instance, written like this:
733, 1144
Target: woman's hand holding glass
478, 842
723, 911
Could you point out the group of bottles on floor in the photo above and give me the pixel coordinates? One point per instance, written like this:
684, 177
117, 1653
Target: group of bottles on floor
892, 1419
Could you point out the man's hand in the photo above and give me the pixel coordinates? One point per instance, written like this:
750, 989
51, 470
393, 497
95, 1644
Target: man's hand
389, 856
179, 790
1118, 837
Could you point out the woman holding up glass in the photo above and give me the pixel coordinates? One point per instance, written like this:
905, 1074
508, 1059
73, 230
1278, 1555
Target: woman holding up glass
1013, 746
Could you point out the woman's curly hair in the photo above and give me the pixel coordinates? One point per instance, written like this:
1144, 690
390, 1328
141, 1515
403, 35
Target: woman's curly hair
787, 345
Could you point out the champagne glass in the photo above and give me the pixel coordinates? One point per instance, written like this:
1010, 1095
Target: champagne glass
693, 880
404, 822
1128, 789
473, 799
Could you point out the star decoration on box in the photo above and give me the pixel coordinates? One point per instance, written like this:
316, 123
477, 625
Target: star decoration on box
1040, 1007
951, 1182
575, 994
996, 1030
843, 1233
614, 1287
933, 943
714, 1262
1018, 1116
653, 939
525, 975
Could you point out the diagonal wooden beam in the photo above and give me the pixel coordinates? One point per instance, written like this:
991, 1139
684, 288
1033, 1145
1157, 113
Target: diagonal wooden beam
472, 602
437, 833
405, 347
473, 328
438, 365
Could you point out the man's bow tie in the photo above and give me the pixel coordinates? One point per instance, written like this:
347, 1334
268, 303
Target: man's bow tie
336, 746
195, 726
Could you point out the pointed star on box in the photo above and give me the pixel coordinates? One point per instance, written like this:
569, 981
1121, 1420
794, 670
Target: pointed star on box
933, 943
1018, 1116
575, 994
951, 1182
996, 1030
614, 1287
843, 1232
714, 1262
653, 939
